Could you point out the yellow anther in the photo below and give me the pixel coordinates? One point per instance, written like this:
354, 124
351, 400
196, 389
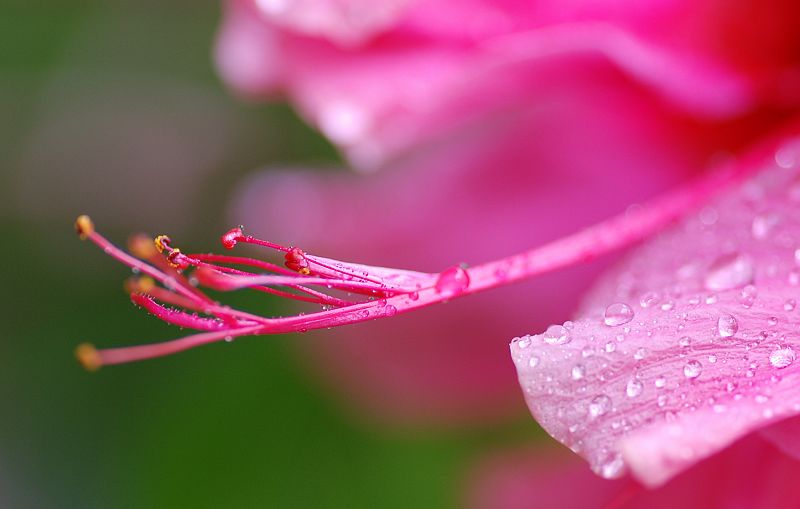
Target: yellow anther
304, 271
172, 256
143, 284
84, 227
161, 242
141, 246
88, 356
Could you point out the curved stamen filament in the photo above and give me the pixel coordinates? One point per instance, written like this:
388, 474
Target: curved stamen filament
398, 290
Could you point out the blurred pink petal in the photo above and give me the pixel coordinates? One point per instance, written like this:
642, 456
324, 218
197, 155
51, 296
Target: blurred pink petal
689, 345
401, 73
750, 473
785, 435
540, 172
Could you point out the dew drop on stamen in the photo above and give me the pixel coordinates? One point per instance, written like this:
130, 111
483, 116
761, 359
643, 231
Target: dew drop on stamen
727, 325
782, 357
556, 335
692, 369
452, 281
617, 314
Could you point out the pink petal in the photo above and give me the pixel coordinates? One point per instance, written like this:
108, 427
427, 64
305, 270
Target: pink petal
402, 73
785, 435
573, 157
345, 22
751, 473
654, 376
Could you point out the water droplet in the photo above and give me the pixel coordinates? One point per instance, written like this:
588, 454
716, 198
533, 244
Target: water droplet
612, 468
610, 347
789, 305
772, 320
692, 369
748, 295
533, 362
729, 271
660, 382
452, 281
523, 342
763, 225
390, 310
667, 306
617, 314
685, 341
228, 339
578, 372
634, 388
782, 357
712, 359
556, 335
413, 295
599, 405
727, 325
640, 354
648, 299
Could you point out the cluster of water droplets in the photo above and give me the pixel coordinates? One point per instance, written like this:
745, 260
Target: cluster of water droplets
702, 319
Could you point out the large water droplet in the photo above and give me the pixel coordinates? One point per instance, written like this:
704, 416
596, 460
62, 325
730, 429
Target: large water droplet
782, 357
599, 406
556, 335
634, 388
618, 313
730, 271
452, 281
692, 369
727, 325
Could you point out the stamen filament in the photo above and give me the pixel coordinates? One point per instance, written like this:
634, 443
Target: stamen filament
398, 291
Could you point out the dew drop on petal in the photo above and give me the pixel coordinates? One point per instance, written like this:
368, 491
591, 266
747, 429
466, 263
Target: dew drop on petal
556, 335
748, 295
599, 406
617, 314
730, 271
727, 325
390, 310
533, 361
612, 468
789, 305
782, 357
578, 372
660, 382
634, 388
640, 354
452, 281
648, 299
692, 369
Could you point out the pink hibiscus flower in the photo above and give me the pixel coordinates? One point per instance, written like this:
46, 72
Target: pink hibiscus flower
500, 125
497, 126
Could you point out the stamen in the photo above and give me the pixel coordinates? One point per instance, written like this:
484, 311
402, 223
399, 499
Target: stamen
88, 356
84, 227
397, 290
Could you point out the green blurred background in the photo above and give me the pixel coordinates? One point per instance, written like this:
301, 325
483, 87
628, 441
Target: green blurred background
114, 109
